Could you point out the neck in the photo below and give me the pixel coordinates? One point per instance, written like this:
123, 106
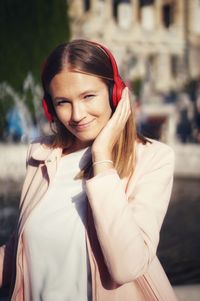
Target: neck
75, 146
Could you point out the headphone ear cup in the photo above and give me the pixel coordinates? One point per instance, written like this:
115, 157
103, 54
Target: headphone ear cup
47, 111
114, 96
118, 87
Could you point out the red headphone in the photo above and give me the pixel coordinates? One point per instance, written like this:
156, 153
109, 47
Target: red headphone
117, 89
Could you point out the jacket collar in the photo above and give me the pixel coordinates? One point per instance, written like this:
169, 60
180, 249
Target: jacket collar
46, 154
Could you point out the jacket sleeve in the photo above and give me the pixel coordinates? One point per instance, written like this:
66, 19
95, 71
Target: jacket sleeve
7, 251
6, 262
2, 252
128, 221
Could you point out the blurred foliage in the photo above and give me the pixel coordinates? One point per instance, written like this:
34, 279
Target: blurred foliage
29, 30
136, 86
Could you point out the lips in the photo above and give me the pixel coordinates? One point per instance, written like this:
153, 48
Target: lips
82, 126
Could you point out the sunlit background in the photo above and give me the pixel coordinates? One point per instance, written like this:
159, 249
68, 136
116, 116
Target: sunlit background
157, 47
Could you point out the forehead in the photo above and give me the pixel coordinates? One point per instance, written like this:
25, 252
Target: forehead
75, 80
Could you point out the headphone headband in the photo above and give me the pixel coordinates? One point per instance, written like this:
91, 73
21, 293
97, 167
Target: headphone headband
111, 57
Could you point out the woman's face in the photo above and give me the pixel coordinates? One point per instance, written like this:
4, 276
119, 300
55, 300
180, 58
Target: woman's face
81, 103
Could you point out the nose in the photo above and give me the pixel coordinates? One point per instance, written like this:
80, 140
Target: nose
78, 112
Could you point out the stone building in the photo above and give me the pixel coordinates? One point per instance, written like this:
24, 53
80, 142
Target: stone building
154, 40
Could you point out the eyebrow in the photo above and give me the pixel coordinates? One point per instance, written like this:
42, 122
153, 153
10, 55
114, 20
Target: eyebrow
61, 98
88, 91
80, 95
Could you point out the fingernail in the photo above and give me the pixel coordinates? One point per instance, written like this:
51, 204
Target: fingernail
125, 90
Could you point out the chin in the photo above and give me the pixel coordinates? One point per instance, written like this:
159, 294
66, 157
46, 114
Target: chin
85, 139
87, 136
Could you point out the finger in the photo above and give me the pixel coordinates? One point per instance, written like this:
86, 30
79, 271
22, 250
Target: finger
125, 103
122, 100
122, 110
124, 107
121, 117
126, 110
124, 93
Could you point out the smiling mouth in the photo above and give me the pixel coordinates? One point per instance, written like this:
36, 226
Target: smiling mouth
82, 126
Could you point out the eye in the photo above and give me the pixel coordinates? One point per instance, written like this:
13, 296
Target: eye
62, 102
89, 96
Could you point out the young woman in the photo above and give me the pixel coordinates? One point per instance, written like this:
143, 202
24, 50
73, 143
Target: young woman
95, 194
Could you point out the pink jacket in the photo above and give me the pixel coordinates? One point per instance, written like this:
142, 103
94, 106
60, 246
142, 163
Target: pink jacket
124, 221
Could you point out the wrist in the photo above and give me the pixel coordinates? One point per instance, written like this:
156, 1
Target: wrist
101, 166
101, 156
102, 162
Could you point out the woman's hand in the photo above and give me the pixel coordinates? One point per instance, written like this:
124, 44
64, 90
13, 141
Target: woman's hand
103, 144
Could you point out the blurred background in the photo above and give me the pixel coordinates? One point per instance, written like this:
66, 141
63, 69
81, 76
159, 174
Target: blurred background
157, 47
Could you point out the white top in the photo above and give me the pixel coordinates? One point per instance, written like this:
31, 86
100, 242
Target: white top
55, 255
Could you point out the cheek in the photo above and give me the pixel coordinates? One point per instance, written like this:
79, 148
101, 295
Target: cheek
63, 114
103, 107
106, 112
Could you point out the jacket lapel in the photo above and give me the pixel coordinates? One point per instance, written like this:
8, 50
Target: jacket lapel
42, 166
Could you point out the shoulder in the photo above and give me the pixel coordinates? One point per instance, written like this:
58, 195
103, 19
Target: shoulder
154, 148
40, 147
154, 153
45, 141
154, 164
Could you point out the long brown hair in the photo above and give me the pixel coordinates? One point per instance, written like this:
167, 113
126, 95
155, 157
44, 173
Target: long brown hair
85, 56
